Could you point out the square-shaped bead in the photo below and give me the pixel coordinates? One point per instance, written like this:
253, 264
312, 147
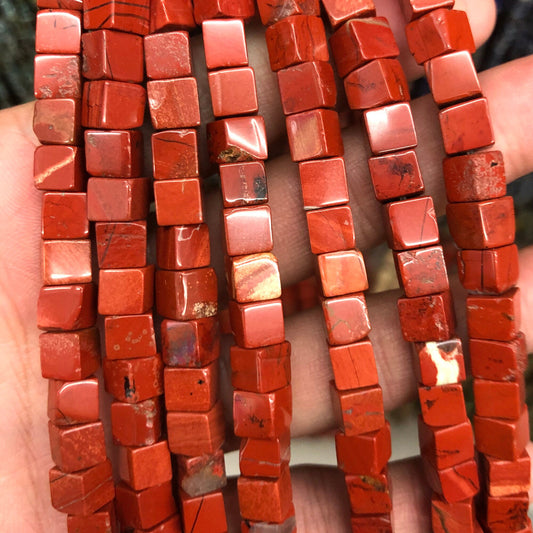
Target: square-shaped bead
175, 154
73, 402
103, 519
346, 318
439, 362
199, 475
167, 55
57, 76
458, 516
136, 424
318, 192
183, 247
129, 336
248, 230
342, 272
121, 244
57, 121
499, 399
506, 478
57, 31
243, 183
216, 9
442, 405
178, 201
233, 91
264, 457
354, 365
205, 512
224, 44
64, 216
168, 15
58, 168
339, 11
331, 229
454, 484
369, 494
271, 12
64, 262
128, 17
412, 9
509, 511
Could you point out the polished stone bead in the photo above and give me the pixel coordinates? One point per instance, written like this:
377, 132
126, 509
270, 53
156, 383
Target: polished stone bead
128, 17
340, 11
264, 457
134, 380
145, 466
224, 43
213, 9
499, 399
115, 154
411, 223
466, 126
342, 272
194, 434
262, 415
173, 103
237, 139
64, 216
167, 55
112, 55
202, 474
248, 230
113, 105
243, 183
346, 318
73, 402
175, 154
233, 91
365, 523
129, 336
121, 244
331, 229
263, 369
58, 168
117, 199
456, 517
439, 363
203, 513
83, 354
369, 493
318, 192
413, 9
507, 513
296, 39
183, 247
168, 15
136, 424
75, 5
272, 12
427, 318
442, 405
395, 175
178, 202
506, 478
66, 307
354, 365
65, 262
191, 343
102, 521
57, 121
57, 76
364, 454
494, 318
75, 448
186, 294
257, 324
455, 483
360, 41
57, 31
307, 86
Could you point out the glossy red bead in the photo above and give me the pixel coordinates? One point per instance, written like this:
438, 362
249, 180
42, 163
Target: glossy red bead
58, 31
167, 55
455, 483
203, 513
264, 457
233, 91
73, 402
224, 43
499, 399
136, 424
121, 244
64, 216
128, 17
102, 521
175, 154
272, 12
369, 494
202, 474
183, 247
318, 192
168, 16
450, 517
248, 230
354, 365
57, 121
58, 168
331, 229
210, 9
129, 336
243, 183
342, 272
508, 513
64, 262
185, 193
442, 405
506, 478
57, 76
339, 11
413, 9
439, 363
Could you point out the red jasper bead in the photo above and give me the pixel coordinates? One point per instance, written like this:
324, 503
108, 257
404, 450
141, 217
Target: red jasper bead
339, 11
257, 324
82, 347
194, 434
202, 474
497, 399
364, 523
413, 9
185, 193
455, 483
360, 41
146, 466
224, 43
73, 402
354, 365
57, 76
346, 318
168, 15
64, 216
175, 154
307, 86
203, 513
66, 307
466, 126
112, 55
342, 272
121, 244
211, 9
509, 512
58, 168
136, 424
442, 405
66, 262
134, 380
57, 121
192, 343
451, 517
264, 457
243, 183
76, 5
117, 199
248, 230
183, 247
77, 447
369, 494
318, 192
129, 336
331, 229
272, 12
128, 17
440, 363
296, 39
103, 520
506, 478
57, 32
112, 105
160, 47
233, 91
186, 294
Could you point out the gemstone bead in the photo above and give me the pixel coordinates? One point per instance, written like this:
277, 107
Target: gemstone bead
440, 362
57, 31
121, 244
442, 405
185, 193
175, 154
136, 424
129, 336
128, 17
73, 402
233, 91
57, 121
346, 318
64, 216
243, 183
272, 12
318, 192
224, 44
65, 262
248, 230
58, 168
168, 15
159, 48
57, 76
202, 474
205, 512
354, 365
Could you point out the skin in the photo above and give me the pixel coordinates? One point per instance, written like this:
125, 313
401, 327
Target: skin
319, 495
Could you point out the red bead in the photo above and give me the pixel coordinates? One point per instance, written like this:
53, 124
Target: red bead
58, 168
507, 513
169, 525
66, 262
497, 399
342, 272
237, 139
440, 363
442, 405
194, 434
346, 318
318, 192
175, 154
76, 5
112, 55
314, 134
257, 324
248, 230
466, 126
307, 86
183, 247
296, 39
117, 199
102, 521
369, 494
264, 457
455, 483
173, 103
77, 447
331, 229
390, 128
210, 9
66, 307
202, 474
121, 244
73, 402
233, 91
64, 216
494, 317
129, 17
506, 478
272, 12
113, 105
192, 343
203, 513
454, 517
185, 193
186, 294
57, 121
360, 41
57, 76
169, 15
82, 347
57, 32
243, 183
413, 9
354, 365
129, 336
339, 11
134, 380
224, 43
167, 55
364, 523
136, 424
437, 32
